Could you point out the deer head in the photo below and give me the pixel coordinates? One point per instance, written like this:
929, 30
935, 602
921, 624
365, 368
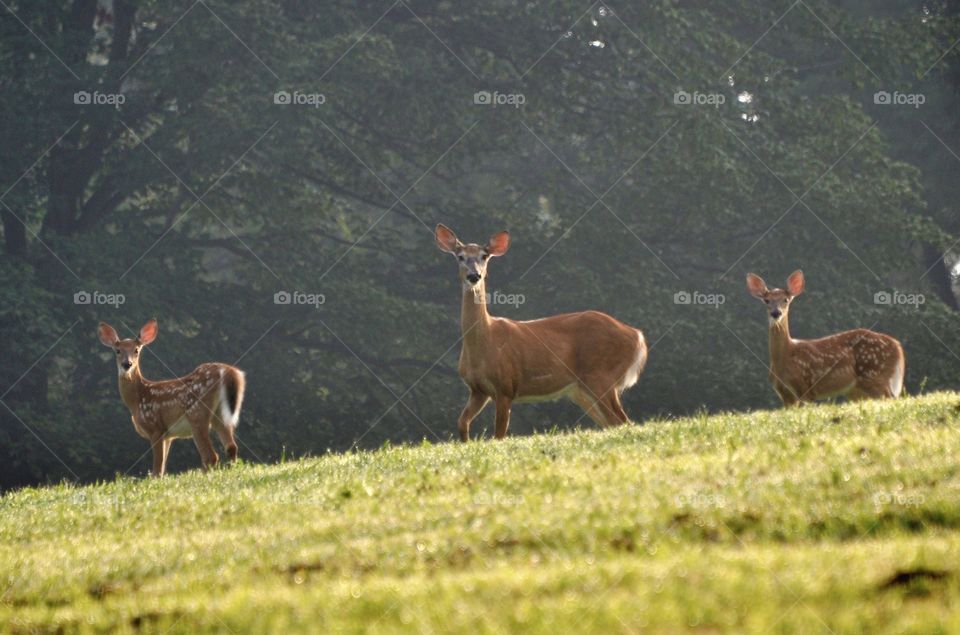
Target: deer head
777, 301
473, 258
127, 350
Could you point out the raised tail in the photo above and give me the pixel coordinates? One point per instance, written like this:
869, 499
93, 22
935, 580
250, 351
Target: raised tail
636, 367
231, 395
896, 381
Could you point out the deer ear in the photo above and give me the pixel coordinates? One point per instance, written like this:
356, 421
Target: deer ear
795, 283
148, 332
108, 335
756, 285
499, 243
446, 240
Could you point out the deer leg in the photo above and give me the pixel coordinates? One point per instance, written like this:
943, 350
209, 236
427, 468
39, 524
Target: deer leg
166, 443
585, 400
201, 437
159, 464
787, 396
227, 437
616, 408
475, 403
608, 411
605, 401
875, 390
503, 416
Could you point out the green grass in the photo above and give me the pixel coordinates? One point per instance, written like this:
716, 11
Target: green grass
832, 518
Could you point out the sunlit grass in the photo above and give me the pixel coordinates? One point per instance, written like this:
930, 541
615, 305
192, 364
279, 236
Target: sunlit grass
836, 517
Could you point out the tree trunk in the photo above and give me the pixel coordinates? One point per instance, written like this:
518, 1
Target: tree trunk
939, 275
14, 234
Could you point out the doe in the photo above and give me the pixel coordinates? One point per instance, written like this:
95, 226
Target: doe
589, 357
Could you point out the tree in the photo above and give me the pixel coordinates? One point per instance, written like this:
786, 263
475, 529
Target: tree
264, 147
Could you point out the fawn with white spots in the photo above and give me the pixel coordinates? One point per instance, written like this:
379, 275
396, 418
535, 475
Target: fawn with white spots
589, 356
857, 364
177, 408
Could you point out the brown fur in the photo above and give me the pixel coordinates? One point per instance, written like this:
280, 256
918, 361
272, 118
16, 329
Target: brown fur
589, 357
858, 364
157, 406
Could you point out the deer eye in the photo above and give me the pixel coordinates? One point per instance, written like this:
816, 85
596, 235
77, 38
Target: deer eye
485, 256
118, 352
136, 350
460, 257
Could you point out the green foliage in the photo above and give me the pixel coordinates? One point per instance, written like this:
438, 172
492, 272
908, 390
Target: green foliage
835, 517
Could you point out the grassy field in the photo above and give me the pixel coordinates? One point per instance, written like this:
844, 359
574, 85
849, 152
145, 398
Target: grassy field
841, 519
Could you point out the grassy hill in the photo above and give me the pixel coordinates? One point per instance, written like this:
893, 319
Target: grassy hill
833, 518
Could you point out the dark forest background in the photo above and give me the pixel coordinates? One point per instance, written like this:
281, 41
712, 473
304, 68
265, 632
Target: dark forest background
198, 198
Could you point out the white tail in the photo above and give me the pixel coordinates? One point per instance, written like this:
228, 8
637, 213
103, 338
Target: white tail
230, 406
589, 357
187, 406
858, 364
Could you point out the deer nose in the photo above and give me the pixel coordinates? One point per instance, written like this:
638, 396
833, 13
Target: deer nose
775, 314
473, 277
126, 365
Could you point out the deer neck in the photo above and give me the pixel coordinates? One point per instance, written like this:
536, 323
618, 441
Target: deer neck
780, 341
131, 387
474, 318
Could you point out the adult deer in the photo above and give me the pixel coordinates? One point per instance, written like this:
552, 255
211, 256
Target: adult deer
165, 410
589, 356
858, 364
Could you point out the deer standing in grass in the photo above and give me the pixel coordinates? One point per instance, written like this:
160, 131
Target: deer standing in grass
589, 357
858, 364
177, 408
